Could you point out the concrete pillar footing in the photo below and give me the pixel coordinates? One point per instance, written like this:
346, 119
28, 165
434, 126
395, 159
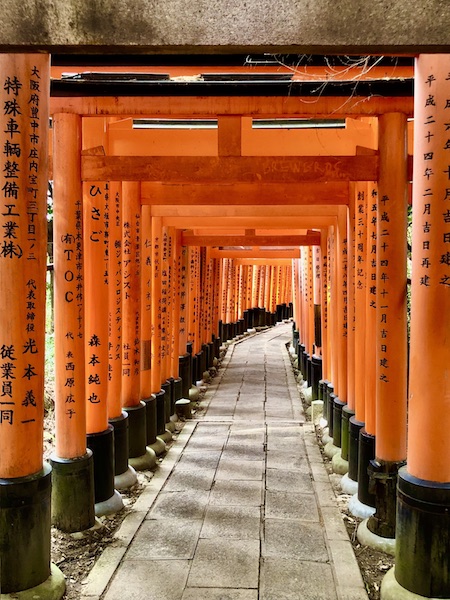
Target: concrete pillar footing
110, 506
194, 393
158, 447
358, 509
170, 426
330, 449
372, 540
392, 590
166, 437
348, 485
125, 480
53, 588
145, 461
80, 535
339, 464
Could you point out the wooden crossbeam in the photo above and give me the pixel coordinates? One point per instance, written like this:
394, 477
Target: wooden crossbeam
254, 106
263, 256
251, 240
242, 194
210, 169
246, 211
306, 222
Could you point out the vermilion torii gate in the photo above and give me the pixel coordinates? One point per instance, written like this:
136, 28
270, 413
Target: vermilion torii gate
146, 266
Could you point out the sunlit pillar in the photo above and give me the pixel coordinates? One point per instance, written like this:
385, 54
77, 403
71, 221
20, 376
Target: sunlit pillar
422, 564
72, 462
25, 479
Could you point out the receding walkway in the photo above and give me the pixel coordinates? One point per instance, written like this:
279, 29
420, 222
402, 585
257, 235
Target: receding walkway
242, 507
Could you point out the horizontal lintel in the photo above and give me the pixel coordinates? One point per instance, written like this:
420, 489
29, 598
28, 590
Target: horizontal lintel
251, 240
207, 169
243, 194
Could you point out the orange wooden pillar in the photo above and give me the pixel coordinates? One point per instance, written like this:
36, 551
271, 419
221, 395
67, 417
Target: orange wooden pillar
72, 462
25, 479
357, 421
391, 348
100, 434
324, 314
177, 383
185, 358
146, 390
125, 476
166, 266
139, 456
366, 447
341, 328
423, 504
316, 358
156, 329
348, 411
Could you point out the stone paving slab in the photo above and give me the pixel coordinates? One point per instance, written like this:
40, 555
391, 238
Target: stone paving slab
236, 493
237, 522
195, 461
294, 540
165, 538
284, 579
225, 563
189, 504
284, 480
190, 480
219, 594
236, 469
286, 505
144, 580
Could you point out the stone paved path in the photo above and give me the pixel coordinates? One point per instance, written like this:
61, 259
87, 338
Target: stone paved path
245, 510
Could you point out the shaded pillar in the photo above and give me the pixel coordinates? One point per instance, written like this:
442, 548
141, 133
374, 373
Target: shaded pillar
140, 457
25, 481
356, 422
390, 448
72, 462
100, 435
422, 563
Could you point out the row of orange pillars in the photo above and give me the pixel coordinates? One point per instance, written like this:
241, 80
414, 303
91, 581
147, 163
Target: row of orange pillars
385, 394
137, 323
129, 298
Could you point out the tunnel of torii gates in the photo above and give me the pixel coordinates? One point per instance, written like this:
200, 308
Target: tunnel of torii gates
168, 242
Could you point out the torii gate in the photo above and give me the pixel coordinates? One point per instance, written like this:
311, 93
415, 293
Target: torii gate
100, 172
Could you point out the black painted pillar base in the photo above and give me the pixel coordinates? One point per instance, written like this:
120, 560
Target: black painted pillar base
193, 370
323, 395
383, 483
25, 531
330, 397
184, 363
102, 446
167, 387
316, 375
338, 405
150, 419
217, 345
140, 457
73, 492
177, 391
347, 413
137, 429
121, 445
354, 427
160, 413
422, 560
308, 370
199, 366
366, 455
